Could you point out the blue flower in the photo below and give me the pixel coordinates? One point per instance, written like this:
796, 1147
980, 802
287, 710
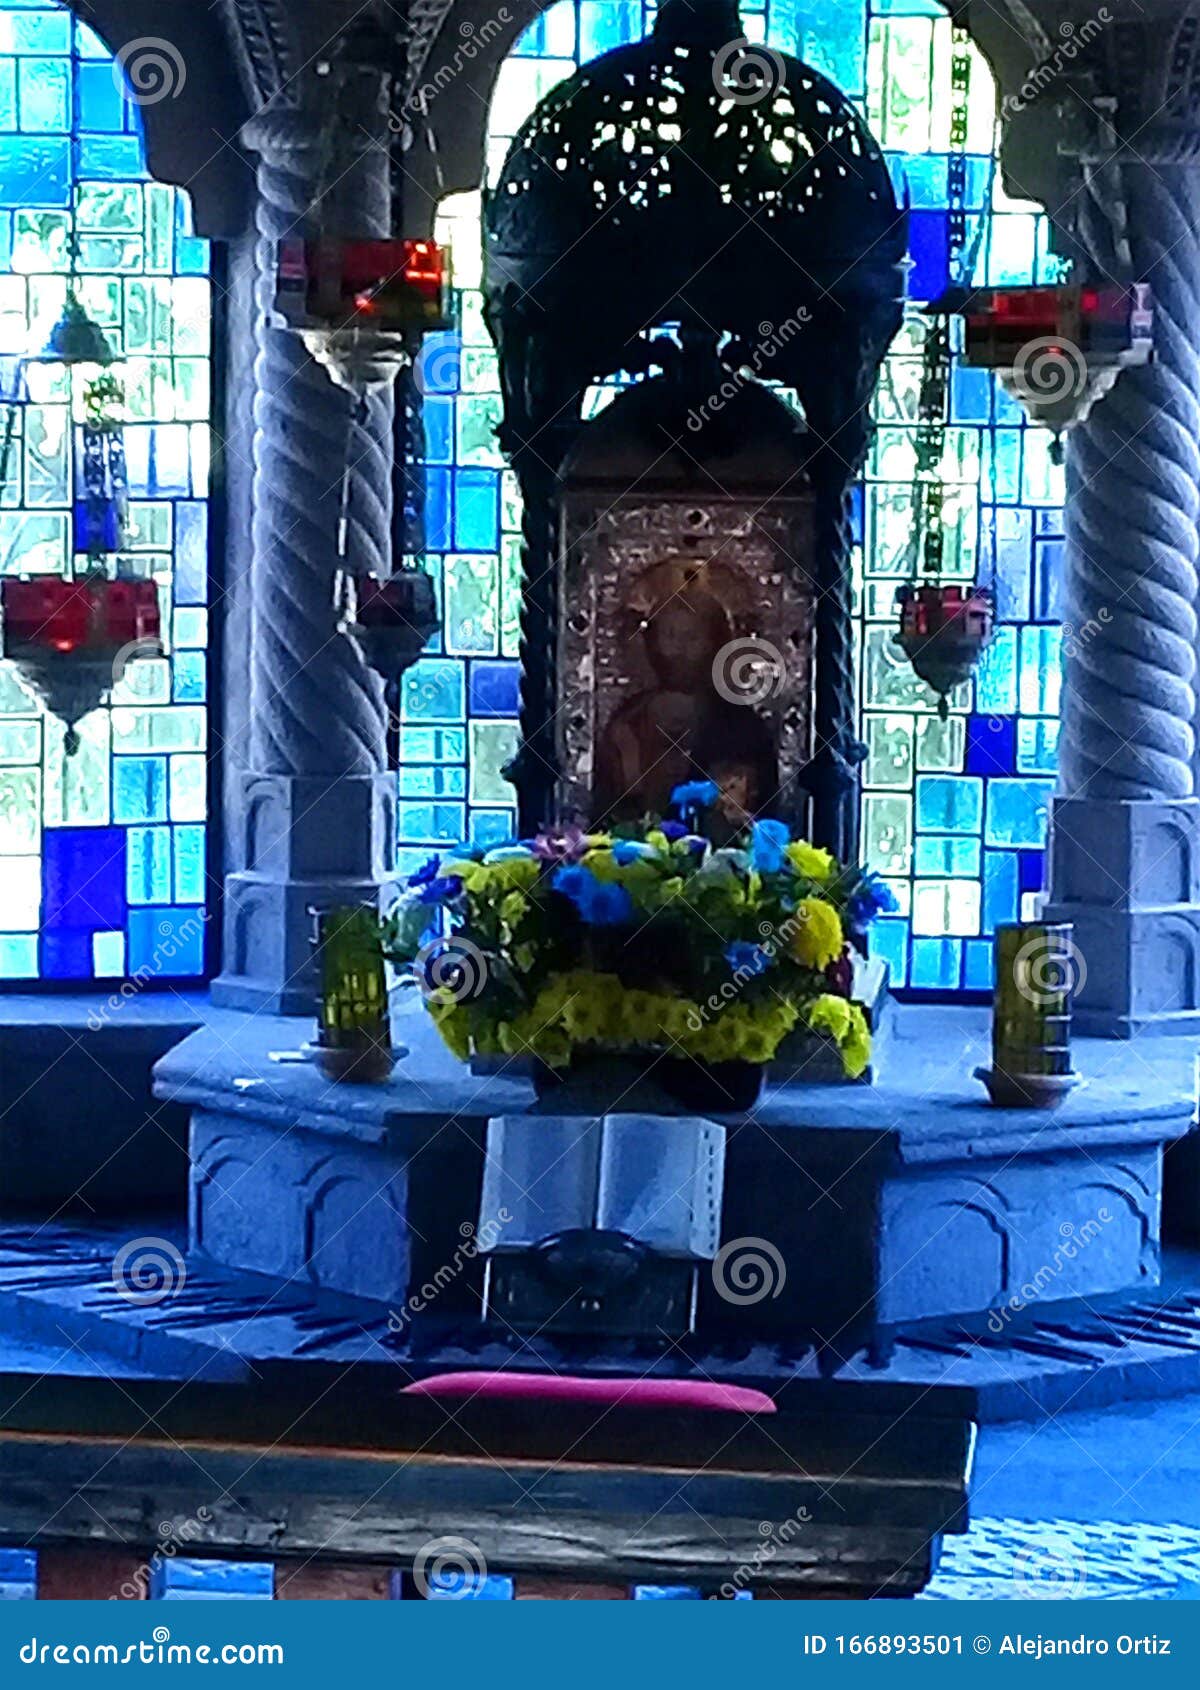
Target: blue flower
745, 958
767, 841
871, 897
695, 795
672, 830
601, 903
626, 851
426, 873
442, 890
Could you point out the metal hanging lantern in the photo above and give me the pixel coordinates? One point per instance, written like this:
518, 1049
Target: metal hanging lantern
71, 637
943, 630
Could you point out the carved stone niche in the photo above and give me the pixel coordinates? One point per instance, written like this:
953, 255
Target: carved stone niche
686, 611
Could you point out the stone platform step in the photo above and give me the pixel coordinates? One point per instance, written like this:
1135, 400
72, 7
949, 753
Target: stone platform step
57, 1289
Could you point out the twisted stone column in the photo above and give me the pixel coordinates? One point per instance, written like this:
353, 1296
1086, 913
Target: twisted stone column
1125, 859
316, 822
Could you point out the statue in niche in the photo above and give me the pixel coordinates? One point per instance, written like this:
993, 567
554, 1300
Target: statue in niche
677, 725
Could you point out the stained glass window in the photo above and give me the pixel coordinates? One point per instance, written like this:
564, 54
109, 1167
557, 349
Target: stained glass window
102, 854
955, 812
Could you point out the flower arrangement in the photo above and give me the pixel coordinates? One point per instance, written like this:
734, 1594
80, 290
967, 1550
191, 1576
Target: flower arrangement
643, 937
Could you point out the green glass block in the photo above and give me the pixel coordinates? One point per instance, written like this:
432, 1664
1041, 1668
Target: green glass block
889, 681
45, 103
191, 315
190, 380
519, 87
109, 207
18, 956
511, 506
21, 894
14, 698
190, 627
889, 759
946, 907
891, 531
899, 60
41, 241
20, 741
189, 789
77, 790
121, 253
147, 680
160, 227
477, 420
941, 746
510, 596
474, 330
888, 833
492, 745
20, 811
149, 526
34, 545
471, 607
47, 455
180, 727
479, 370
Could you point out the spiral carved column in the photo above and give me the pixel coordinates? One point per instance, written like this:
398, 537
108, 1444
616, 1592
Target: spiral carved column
1126, 833
316, 825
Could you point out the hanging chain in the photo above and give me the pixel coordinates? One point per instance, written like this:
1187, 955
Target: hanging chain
933, 400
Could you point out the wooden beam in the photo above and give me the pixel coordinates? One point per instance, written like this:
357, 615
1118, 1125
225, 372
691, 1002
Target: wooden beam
92, 1572
533, 1589
335, 1581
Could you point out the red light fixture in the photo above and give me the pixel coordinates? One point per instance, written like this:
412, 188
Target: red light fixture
944, 627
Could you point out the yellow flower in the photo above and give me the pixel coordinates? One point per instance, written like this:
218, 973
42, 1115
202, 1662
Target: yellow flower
493, 880
830, 1014
816, 939
512, 907
810, 860
856, 1050
454, 1025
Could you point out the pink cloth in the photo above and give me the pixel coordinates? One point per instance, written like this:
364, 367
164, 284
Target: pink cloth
566, 1387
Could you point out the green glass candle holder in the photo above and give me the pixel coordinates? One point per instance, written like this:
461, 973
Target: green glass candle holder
1037, 967
354, 1039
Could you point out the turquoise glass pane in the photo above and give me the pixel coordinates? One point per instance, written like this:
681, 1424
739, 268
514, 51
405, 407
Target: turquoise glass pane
93, 876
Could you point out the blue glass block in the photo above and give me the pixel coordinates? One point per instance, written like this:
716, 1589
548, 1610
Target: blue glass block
438, 824
44, 29
1013, 560
979, 965
1037, 747
996, 677
1049, 521
495, 688
477, 510
111, 158
949, 803
889, 940
439, 429
1006, 465
604, 24
148, 879
107, 530
439, 535
166, 940
1040, 671
189, 677
1000, 891
100, 102
83, 878
175, 1579
457, 1585
1031, 870
45, 95
929, 250
436, 780
1048, 592
441, 361
970, 395
991, 745
936, 964
168, 471
433, 745
946, 854
18, 1574
139, 789
11, 364
666, 1593
67, 954
8, 93
856, 514
1018, 812
435, 690
35, 171
492, 827
410, 858
191, 553
191, 256
18, 956
191, 864
923, 175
